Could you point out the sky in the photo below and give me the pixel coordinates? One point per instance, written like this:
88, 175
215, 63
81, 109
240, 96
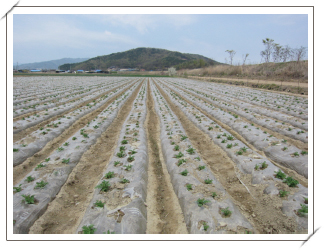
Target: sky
44, 37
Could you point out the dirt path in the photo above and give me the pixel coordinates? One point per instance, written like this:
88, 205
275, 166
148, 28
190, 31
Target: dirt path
263, 211
261, 81
18, 136
164, 215
66, 211
20, 171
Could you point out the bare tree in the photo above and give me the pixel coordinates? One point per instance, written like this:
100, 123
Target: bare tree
286, 53
231, 55
266, 54
244, 57
276, 53
300, 53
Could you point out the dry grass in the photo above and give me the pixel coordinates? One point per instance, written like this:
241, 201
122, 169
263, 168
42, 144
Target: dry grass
289, 71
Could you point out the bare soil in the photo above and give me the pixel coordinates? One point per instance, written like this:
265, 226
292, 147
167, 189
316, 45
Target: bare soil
66, 211
164, 213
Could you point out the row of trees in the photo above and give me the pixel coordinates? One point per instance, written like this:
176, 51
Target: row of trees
274, 52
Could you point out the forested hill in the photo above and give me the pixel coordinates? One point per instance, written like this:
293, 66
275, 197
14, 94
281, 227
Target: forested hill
143, 58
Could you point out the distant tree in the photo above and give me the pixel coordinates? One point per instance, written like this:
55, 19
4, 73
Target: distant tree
300, 53
276, 53
231, 55
266, 54
286, 53
244, 57
202, 63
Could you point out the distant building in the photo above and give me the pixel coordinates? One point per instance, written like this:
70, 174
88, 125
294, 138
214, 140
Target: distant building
35, 70
80, 71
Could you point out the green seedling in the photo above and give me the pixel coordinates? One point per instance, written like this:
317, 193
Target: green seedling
40, 166
116, 163
230, 138
99, 204
172, 143
218, 136
96, 126
205, 226
24, 145
201, 167
124, 180
74, 138
122, 148
304, 152
29, 199
210, 128
88, 229
190, 151
104, 186
66, 161
47, 159
185, 172
130, 158
283, 193
133, 152
280, 175
121, 154
128, 167
239, 152
208, 181
303, 210
41, 184
296, 154
306, 200
29, 178
223, 141
183, 137
244, 149
108, 232
285, 148
202, 202
214, 194
179, 155
226, 212
197, 158
181, 161
229, 145
15, 149
176, 148
189, 187
60, 149
17, 189
124, 142
263, 165
109, 175
291, 182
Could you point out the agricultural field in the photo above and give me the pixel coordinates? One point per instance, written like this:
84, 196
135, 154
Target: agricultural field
140, 155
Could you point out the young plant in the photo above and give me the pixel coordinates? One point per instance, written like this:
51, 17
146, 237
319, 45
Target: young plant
66, 161
88, 229
29, 178
208, 181
191, 151
226, 212
185, 172
183, 137
74, 138
283, 193
178, 155
29, 199
176, 148
202, 202
47, 159
230, 138
304, 152
180, 162
239, 152
128, 167
15, 149
122, 148
243, 149
124, 180
229, 145
104, 186
41, 184
124, 142
17, 189
99, 204
40, 166
214, 194
205, 226
296, 154
291, 182
280, 175
303, 210
66, 144
116, 163
109, 175
189, 187
130, 158
263, 165
201, 167
60, 149
121, 154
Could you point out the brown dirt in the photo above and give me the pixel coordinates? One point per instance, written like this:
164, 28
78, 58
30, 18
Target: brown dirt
20, 171
164, 215
66, 211
302, 180
18, 136
263, 211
